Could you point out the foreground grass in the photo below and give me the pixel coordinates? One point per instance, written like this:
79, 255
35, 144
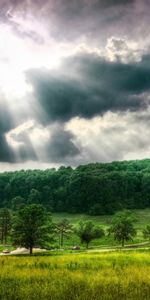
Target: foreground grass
93, 276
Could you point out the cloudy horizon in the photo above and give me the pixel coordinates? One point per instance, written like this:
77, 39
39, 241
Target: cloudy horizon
74, 82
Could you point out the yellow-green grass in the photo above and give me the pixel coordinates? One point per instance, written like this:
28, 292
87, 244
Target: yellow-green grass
91, 276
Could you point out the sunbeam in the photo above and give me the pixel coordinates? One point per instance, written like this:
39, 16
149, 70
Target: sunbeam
74, 78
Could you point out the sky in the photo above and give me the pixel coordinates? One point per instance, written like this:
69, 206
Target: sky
74, 82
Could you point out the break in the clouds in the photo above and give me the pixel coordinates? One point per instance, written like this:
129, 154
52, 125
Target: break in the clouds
74, 82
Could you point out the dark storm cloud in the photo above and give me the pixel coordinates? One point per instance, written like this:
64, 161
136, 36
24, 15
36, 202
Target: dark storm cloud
62, 5
58, 148
61, 145
6, 123
88, 86
6, 153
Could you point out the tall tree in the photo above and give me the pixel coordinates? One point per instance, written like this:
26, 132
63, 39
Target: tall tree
123, 227
5, 224
63, 228
30, 226
88, 231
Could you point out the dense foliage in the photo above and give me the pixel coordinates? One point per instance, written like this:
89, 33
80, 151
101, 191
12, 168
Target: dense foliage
88, 231
5, 225
30, 226
123, 227
94, 188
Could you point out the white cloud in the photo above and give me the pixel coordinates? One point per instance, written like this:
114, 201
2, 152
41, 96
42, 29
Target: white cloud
115, 136
123, 50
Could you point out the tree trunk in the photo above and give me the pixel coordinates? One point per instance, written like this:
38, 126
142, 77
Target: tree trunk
31, 250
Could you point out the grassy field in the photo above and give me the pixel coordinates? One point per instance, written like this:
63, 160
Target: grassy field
143, 219
91, 276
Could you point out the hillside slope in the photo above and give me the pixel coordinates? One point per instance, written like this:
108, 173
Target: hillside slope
93, 188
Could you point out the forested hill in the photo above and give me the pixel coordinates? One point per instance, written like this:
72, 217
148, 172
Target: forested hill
93, 188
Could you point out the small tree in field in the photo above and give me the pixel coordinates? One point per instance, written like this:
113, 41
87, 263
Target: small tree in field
146, 232
63, 228
88, 231
30, 226
123, 227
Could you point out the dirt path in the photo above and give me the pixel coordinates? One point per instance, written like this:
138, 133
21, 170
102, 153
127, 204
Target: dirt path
20, 251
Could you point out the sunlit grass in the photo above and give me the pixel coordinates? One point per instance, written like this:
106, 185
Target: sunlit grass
91, 276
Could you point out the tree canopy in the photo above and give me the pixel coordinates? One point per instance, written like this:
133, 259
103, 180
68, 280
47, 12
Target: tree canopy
94, 188
87, 232
5, 224
30, 226
123, 227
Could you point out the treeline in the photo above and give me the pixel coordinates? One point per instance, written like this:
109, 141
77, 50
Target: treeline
94, 188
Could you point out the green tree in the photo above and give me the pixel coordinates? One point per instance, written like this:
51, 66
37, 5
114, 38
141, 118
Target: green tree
34, 197
30, 227
5, 224
146, 232
63, 228
96, 188
123, 227
17, 202
88, 231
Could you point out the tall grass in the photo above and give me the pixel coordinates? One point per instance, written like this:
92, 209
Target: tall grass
93, 276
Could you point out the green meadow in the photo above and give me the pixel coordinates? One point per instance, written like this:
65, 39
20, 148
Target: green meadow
76, 276
142, 216
101, 273
104, 221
